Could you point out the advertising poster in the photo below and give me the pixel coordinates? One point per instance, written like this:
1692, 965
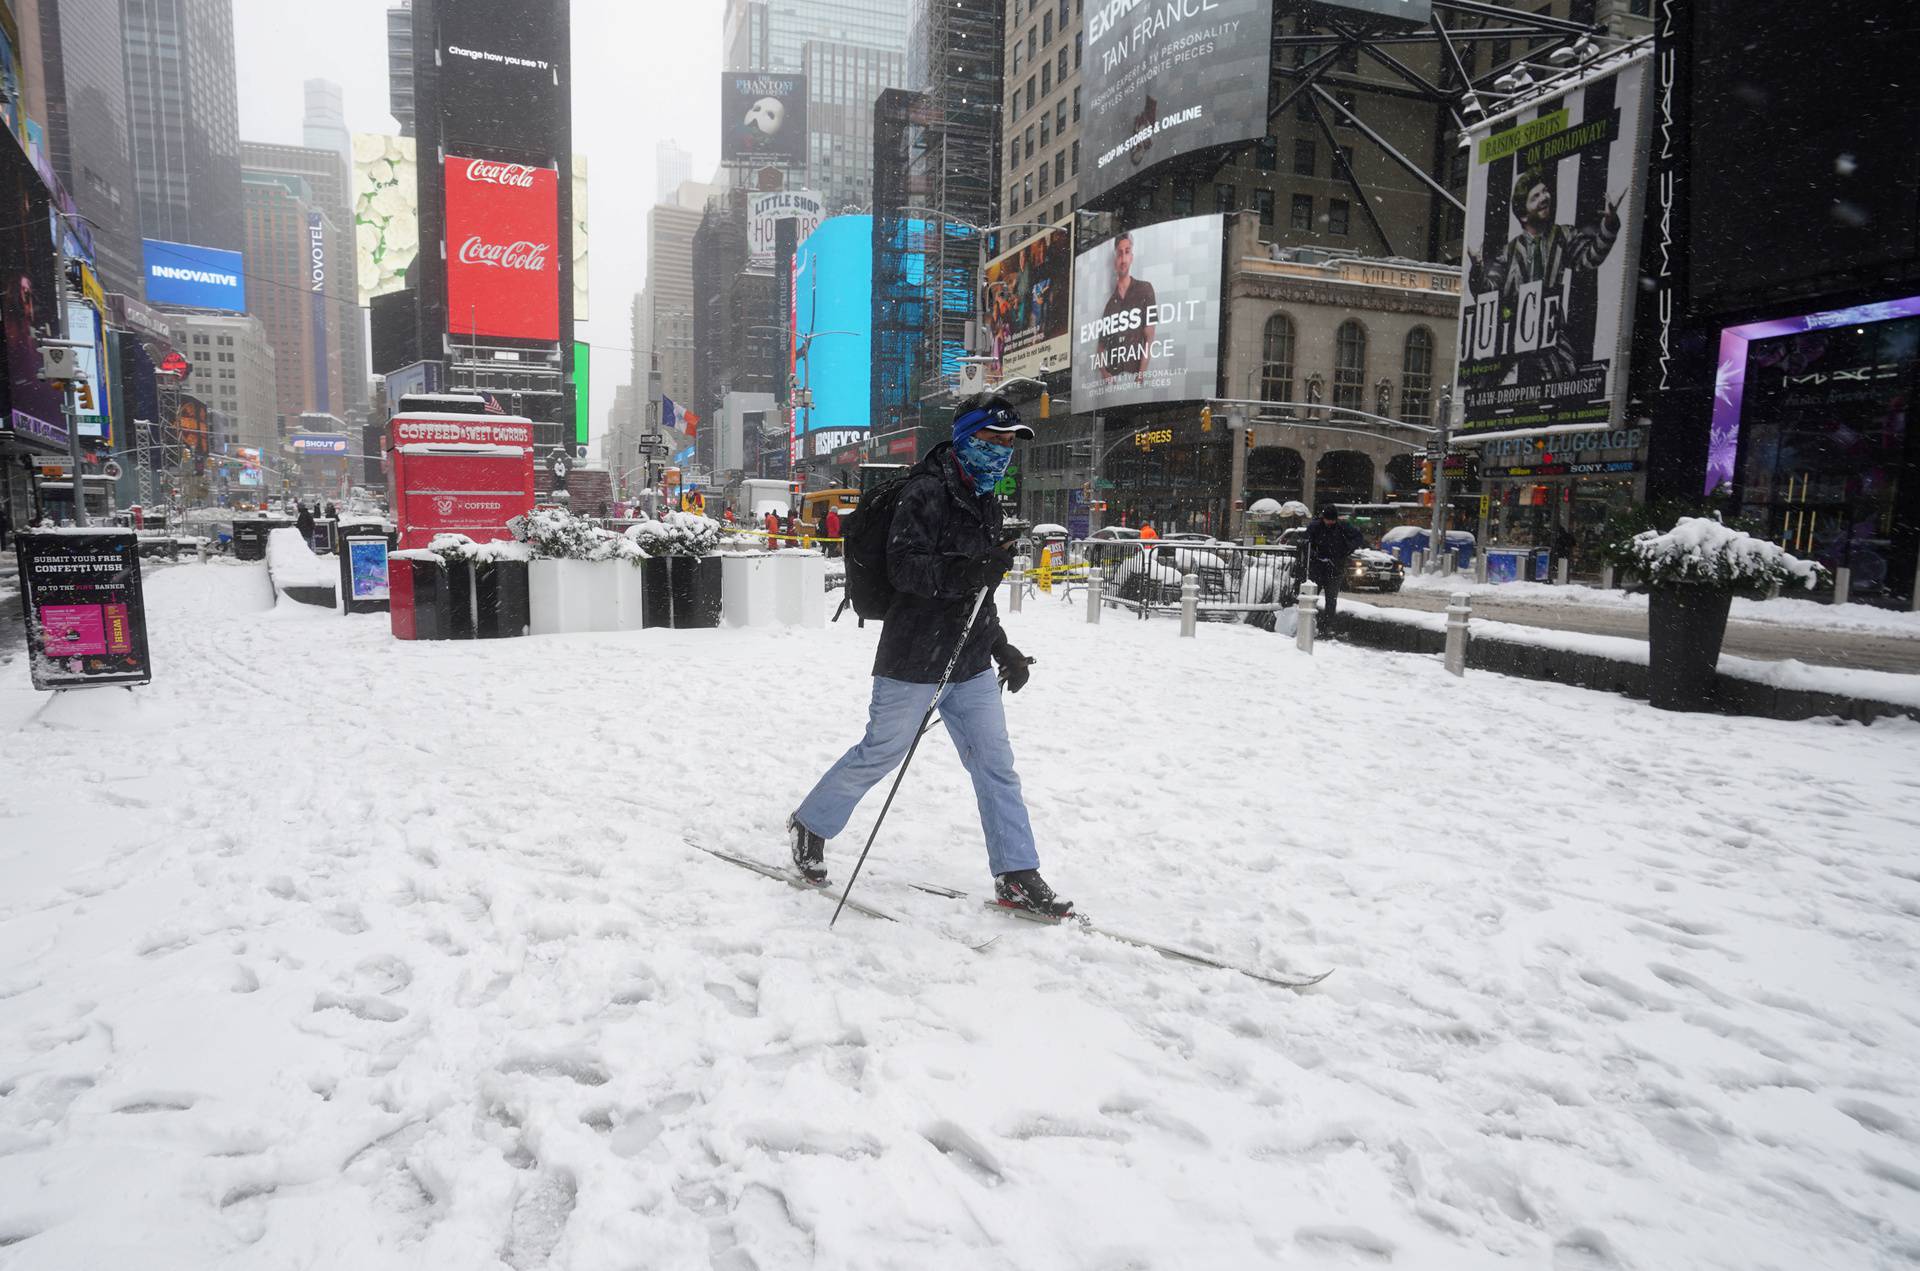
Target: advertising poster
1165, 80
367, 569
386, 213
86, 621
501, 82
318, 443
1146, 315
192, 423
194, 277
766, 211
1548, 292
763, 115
84, 326
1026, 304
26, 300
503, 264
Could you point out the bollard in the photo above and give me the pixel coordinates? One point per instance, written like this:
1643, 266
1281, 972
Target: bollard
1561, 571
1606, 578
1017, 578
1480, 567
1459, 612
1419, 561
1842, 584
1189, 604
1309, 614
1093, 598
1773, 592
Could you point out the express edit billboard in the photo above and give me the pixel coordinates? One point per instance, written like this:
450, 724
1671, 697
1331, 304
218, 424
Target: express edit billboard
500, 73
1026, 304
1165, 80
503, 261
1146, 315
194, 277
1549, 287
763, 115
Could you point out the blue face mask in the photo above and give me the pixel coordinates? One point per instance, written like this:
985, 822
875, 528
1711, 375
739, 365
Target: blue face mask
984, 461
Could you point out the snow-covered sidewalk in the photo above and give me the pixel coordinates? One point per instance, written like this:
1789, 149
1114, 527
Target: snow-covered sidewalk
335, 952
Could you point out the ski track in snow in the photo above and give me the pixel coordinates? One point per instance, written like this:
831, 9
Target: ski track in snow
332, 951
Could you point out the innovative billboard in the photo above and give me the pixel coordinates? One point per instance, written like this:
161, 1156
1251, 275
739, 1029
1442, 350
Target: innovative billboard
386, 213
1026, 304
503, 266
1165, 80
194, 277
763, 115
765, 211
1549, 285
1146, 315
832, 314
500, 74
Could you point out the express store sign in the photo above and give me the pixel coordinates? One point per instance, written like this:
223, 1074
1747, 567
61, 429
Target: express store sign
503, 250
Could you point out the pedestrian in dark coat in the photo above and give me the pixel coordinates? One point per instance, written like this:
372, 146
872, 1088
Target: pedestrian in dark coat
1330, 541
304, 522
944, 548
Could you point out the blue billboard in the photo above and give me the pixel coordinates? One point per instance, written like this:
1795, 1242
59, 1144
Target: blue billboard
194, 277
833, 319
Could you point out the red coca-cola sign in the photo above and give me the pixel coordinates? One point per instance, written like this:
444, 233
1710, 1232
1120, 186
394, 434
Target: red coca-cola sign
503, 249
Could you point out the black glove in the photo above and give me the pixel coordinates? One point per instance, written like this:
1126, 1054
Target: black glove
985, 570
1013, 666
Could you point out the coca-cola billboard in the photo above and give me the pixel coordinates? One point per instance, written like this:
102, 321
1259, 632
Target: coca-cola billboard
502, 237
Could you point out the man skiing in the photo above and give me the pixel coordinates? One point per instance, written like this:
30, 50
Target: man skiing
944, 546
1330, 541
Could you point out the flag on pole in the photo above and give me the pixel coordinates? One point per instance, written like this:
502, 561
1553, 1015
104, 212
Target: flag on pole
493, 406
678, 417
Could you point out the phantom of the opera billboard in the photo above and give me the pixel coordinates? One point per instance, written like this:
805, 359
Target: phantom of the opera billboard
1549, 287
1165, 80
763, 115
1146, 315
503, 269
1025, 300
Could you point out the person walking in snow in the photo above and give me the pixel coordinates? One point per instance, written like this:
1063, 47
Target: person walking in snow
773, 528
831, 526
943, 548
304, 522
1330, 541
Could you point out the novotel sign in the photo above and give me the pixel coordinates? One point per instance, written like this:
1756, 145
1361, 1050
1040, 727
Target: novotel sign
194, 277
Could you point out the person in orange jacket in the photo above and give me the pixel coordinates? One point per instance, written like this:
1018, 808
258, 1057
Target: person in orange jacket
773, 528
833, 530
1147, 532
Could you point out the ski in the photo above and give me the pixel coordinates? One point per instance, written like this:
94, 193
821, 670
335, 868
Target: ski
791, 879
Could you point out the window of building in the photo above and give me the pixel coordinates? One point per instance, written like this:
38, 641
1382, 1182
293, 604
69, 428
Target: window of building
1304, 157
1045, 171
1060, 117
1263, 202
1031, 98
1302, 215
1183, 198
1033, 44
1060, 65
1029, 141
1337, 214
1058, 212
1350, 366
1267, 154
1046, 28
1416, 377
1026, 189
1016, 57
1345, 167
1066, 12
1076, 103
1060, 168
1046, 77
1013, 153
1224, 197
1276, 360
1077, 42
1076, 159
1046, 129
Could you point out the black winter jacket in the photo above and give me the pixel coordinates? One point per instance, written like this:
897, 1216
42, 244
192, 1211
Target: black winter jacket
939, 525
1331, 544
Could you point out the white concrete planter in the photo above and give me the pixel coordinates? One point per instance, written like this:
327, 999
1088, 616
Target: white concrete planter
629, 596
800, 585
600, 580
571, 595
747, 591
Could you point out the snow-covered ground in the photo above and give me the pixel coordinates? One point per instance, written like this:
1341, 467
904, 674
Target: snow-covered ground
334, 952
1787, 611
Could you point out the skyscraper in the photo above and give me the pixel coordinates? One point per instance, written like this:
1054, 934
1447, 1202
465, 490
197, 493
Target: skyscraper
760, 36
671, 166
307, 305
400, 65
86, 94
183, 120
325, 125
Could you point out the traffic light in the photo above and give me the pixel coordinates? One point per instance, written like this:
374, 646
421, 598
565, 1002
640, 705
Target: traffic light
1426, 472
84, 392
1206, 419
1046, 404
1247, 433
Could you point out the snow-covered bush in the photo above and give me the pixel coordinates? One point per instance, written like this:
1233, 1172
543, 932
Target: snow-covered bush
457, 548
557, 534
1701, 551
676, 534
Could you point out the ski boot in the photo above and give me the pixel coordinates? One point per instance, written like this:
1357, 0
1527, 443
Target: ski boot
1025, 889
809, 852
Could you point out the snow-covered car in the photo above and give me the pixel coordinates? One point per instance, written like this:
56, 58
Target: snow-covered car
1369, 570
1153, 574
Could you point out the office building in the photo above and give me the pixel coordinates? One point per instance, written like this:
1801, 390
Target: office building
761, 35
183, 121
325, 123
400, 65
308, 307
85, 87
671, 166
669, 295
233, 372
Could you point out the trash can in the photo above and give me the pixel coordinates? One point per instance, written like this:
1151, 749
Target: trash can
698, 589
429, 601
502, 605
250, 537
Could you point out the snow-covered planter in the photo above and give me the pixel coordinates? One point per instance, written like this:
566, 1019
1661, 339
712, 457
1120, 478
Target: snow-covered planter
747, 594
574, 595
800, 581
1692, 572
676, 534
684, 585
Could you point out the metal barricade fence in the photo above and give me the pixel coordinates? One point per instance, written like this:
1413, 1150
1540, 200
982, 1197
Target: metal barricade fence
1236, 583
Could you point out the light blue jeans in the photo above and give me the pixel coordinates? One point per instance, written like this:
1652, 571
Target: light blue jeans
978, 726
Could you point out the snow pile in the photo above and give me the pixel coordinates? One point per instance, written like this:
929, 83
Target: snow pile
458, 547
557, 534
676, 534
1701, 550
285, 987
293, 563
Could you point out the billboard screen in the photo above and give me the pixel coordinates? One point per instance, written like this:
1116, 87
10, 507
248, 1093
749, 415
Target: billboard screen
386, 216
763, 115
1418, 11
26, 301
764, 211
318, 443
317, 297
1548, 292
1146, 315
1026, 304
194, 277
832, 289
503, 268
1166, 80
499, 74
84, 326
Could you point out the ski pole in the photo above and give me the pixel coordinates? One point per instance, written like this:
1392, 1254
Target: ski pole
932, 706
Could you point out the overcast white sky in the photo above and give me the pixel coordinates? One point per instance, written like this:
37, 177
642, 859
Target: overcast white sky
643, 71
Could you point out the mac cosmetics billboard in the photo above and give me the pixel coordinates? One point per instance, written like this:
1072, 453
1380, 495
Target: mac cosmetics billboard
1146, 315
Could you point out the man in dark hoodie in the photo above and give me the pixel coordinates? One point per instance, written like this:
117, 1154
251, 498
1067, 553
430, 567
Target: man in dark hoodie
945, 545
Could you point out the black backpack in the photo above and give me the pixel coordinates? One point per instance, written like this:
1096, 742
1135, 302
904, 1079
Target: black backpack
864, 536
